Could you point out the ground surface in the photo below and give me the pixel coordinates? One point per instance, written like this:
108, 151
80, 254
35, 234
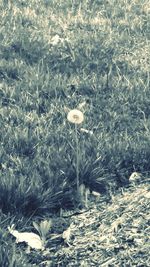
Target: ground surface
114, 233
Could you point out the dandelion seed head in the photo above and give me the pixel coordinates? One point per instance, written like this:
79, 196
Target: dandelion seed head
75, 116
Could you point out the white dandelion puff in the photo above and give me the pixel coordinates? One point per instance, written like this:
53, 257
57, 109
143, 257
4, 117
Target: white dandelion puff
75, 116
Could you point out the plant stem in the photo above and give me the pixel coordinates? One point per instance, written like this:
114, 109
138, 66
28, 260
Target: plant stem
77, 158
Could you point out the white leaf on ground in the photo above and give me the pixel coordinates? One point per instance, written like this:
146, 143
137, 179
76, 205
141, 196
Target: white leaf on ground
67, 234
96, 194
33, 240
147, 195
135, 176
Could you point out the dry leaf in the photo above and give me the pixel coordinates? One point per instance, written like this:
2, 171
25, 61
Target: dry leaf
33, 240
116, 224
67, 234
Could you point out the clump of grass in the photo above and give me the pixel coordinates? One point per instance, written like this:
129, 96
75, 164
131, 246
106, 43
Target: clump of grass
7, 258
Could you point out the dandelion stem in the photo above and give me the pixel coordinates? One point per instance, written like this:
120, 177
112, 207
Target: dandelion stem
77, 158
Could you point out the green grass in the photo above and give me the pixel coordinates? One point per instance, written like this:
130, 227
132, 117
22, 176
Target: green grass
102, 58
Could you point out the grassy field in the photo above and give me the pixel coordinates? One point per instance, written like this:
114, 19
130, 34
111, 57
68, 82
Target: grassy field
60, 55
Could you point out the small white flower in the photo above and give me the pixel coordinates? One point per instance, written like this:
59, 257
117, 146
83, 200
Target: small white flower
75, 116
